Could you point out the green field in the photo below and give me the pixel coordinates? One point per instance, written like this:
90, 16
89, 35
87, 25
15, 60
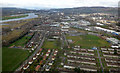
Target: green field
12, 58
13, 17
51, 44
22, 41
88, 41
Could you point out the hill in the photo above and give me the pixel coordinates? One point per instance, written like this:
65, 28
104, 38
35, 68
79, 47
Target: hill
113, 10
12, 11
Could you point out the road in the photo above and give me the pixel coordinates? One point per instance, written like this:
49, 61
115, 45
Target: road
100, 60
30, 57
65, 39
62, 42
48, 60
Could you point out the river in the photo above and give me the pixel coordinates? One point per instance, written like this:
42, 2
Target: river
30, 16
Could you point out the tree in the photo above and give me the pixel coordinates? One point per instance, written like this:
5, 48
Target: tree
115, 52
118, 23
77, 70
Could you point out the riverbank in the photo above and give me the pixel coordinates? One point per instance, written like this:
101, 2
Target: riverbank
13, 17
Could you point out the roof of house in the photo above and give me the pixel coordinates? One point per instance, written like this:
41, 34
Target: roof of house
41, 61
25, 65
41, 49
37, 67
31, 60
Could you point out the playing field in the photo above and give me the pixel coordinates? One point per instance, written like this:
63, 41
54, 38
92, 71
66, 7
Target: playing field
12, 58
88, 41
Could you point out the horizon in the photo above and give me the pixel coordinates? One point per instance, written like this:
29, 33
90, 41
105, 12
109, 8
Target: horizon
56, 4
60, 8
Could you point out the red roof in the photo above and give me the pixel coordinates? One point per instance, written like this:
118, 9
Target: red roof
41, 61
44, 57
53, 56
55, 52
47, 53
37, 67
25, 65
35, 56
31, 60
41, 49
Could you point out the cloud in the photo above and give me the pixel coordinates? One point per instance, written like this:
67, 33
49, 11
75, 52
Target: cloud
57, 3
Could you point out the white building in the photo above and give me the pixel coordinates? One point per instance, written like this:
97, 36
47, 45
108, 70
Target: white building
65, 28
113, 40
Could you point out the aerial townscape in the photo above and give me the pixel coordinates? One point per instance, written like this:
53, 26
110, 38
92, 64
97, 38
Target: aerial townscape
65, 40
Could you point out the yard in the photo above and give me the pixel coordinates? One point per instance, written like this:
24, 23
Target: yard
88, 41
12, 58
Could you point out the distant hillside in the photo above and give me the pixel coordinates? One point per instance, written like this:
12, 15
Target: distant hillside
12, 11
89, 10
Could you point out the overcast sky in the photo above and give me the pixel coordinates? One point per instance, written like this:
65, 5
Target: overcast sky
31, 4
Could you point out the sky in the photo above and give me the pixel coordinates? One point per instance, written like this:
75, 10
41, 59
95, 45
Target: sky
42, 4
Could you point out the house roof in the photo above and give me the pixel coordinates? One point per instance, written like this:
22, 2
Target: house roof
37, 67
41, 61
41, 49
31, 60
25, 65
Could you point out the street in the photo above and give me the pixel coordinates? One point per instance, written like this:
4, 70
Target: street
100, 60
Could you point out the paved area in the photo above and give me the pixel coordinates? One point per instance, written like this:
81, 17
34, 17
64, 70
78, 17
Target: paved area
100, 61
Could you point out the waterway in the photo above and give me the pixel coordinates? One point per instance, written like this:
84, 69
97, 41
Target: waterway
30, 16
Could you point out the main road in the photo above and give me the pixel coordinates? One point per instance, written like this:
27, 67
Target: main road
65, 39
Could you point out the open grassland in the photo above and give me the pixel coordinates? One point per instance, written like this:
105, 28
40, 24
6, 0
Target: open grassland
13, 17
16, 33
22, 41
88, 41
51, 44
12, 58
12, 35
15, 24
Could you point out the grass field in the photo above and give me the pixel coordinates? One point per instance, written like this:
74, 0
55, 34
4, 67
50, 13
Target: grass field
13, 17
51, 44
22, 41
88, 41
12, 58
